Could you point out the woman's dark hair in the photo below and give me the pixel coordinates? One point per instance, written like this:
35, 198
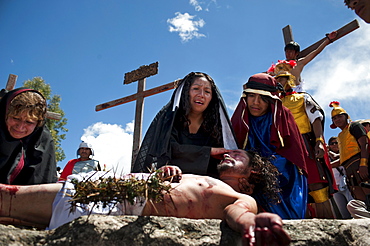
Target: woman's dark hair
211, 123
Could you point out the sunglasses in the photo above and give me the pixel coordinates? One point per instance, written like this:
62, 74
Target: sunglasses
333, 143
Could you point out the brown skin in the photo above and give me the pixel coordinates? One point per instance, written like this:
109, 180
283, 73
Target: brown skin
363, 142
361, 8
316, 125
334, 152
256, 105
341, 121
84, 153
319, 147
333, 146
323, 209
20, 126
335, 163
367, 126
302, 62
39, 200
200, 94
196, 197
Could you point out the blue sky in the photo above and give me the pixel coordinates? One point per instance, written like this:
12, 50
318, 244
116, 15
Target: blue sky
83, 48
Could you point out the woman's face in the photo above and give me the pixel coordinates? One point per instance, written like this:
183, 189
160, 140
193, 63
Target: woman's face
256, 105
20, 126
200, 94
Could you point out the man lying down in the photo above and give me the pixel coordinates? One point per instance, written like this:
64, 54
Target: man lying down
195, 197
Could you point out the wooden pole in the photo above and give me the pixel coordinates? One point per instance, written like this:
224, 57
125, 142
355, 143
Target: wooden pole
12, 79
288, 34
53, 116
139, 75
341, 32
133, 97
138, 120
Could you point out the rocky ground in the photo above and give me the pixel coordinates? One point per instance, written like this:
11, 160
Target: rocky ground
162, 231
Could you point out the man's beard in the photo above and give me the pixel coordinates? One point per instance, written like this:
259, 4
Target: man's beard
225, 166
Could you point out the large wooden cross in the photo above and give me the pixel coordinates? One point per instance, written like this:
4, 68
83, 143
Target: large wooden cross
139, 75
10, 85
288, 36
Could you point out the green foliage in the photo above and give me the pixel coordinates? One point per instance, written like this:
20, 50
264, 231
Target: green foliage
56, 127
106, 191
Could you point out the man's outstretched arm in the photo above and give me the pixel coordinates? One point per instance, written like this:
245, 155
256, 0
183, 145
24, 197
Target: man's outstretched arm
305, 60
261, 229
28, 204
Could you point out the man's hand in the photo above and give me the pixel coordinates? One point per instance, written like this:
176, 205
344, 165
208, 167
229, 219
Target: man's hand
171, 173
364, 173
269, 230
331, 36
261, 229
319, 149
218, 153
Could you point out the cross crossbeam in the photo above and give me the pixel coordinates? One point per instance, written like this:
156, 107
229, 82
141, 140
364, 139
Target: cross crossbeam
341, 32
139, 75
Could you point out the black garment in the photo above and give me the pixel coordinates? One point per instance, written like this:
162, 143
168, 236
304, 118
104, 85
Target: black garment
357, 130
166, 143
191, 152
38, 148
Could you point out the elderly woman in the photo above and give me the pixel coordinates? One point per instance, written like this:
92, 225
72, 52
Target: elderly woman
26, 147
191, 132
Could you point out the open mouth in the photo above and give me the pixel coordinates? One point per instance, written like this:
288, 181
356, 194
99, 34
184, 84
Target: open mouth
199, 102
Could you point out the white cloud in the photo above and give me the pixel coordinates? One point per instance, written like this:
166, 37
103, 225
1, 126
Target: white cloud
342, 73
196, 5
186, 26
112, 145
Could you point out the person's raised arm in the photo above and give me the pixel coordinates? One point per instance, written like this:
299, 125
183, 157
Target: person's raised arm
305, 60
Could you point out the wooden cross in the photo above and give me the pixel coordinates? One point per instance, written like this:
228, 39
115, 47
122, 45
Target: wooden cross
288, 36
10, 85
139, 75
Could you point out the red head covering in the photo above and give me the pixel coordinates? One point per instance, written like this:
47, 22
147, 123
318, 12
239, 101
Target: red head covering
285, 134
262, 84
